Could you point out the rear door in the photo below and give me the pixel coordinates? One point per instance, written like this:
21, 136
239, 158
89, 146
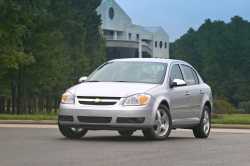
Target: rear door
193, 91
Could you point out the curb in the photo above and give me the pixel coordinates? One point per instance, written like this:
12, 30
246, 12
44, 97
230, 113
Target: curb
54, 122
230, 126
33, 122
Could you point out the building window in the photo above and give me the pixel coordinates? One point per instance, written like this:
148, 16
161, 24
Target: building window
137, 37
129, 36
166, 45
111, 13
156, 44
160, 44
109, 35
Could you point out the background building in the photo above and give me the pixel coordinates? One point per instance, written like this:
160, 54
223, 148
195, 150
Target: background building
127, 40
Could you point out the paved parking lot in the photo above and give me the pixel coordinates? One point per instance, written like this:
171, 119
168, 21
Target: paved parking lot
44, 146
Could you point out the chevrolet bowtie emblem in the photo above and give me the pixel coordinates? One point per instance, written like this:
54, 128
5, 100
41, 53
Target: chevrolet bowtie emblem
97, 100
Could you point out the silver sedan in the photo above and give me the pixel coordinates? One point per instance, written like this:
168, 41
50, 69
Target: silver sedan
152, 95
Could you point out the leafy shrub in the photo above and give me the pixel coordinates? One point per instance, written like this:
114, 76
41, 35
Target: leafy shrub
223, 107
245, 107
217, 116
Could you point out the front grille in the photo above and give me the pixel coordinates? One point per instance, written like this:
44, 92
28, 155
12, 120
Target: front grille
96, 103
66, 118
93, 119
130, 120
92, 100
94, 97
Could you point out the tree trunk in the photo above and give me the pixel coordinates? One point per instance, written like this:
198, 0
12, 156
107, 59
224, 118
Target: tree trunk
29, 105
48, 104
35, 105
55, 105
2, 104
19, 92
8, 105
40, 104
13, 96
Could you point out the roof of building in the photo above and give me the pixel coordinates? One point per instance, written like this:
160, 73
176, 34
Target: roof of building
153, 29
149, 29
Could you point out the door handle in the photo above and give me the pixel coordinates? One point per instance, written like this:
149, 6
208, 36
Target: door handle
201, 92
188, 93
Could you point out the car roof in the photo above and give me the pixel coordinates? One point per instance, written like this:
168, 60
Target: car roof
159, 60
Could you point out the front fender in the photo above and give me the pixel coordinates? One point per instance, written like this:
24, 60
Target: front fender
157, 103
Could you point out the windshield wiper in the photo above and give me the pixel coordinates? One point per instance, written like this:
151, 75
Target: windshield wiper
120, 81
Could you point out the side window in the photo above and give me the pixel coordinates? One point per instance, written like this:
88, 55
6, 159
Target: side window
176, 73
190, 75
196, 77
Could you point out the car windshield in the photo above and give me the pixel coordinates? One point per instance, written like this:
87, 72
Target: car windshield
134, 72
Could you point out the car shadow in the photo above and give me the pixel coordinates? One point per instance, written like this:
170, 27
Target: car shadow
124, 139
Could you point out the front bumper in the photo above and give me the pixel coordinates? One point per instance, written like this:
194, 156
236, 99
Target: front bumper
107, 117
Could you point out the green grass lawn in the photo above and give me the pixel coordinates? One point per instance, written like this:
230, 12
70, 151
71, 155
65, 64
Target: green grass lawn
243, 119
37, 117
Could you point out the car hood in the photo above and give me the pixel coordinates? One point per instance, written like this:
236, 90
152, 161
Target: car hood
110, 89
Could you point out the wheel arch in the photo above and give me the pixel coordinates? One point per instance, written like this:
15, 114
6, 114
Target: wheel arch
208, 104
164, 102
207, 101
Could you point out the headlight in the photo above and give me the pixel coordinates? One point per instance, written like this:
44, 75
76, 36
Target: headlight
137, 100
68, 98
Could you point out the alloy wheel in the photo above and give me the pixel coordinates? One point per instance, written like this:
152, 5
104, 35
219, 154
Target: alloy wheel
161, 123
206, 122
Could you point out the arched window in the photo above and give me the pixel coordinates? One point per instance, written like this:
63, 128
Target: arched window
111, 13
166, 45
137, 37
130, 36
156, 44
161, 44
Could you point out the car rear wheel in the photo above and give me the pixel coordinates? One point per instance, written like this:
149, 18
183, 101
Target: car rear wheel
126, 133
203, 130
72, 132
162, 127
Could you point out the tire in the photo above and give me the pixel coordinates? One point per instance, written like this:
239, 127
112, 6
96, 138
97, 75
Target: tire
203, 129
72, 133
162, 129
126, 133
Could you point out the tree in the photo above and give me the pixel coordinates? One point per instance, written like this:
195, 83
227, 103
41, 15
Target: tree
45, 46
221, 53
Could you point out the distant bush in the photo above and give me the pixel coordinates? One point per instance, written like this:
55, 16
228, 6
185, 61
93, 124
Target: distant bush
217, 116
245, 107
223, 107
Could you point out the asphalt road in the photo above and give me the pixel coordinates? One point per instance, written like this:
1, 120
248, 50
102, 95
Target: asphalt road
46, 147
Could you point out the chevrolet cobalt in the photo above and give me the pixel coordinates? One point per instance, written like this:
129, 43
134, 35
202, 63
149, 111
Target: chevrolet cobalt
151, 95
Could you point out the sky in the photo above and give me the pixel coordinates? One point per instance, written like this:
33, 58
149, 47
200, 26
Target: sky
177, 16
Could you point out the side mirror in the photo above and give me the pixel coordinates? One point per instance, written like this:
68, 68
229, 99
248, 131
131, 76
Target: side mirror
177, 83
82, 79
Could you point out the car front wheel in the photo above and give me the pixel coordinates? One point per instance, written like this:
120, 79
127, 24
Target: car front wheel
72, 132
203, 130
162, 127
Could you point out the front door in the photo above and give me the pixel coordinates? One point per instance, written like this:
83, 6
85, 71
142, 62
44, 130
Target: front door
178, 97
